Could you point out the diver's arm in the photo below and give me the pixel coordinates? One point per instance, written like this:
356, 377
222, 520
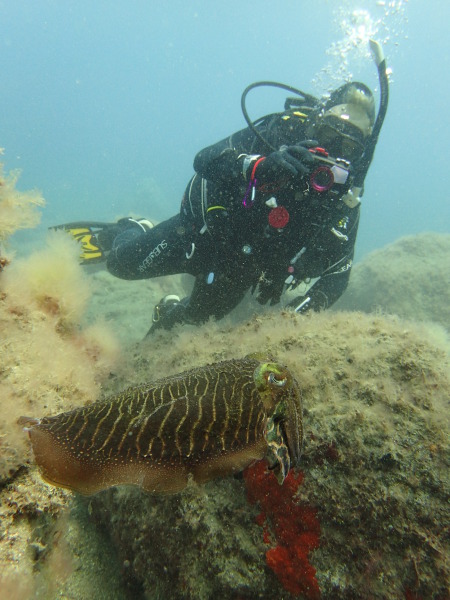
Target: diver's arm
225, 159
324, 293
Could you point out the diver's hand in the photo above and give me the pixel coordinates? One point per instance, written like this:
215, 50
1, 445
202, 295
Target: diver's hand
289, 162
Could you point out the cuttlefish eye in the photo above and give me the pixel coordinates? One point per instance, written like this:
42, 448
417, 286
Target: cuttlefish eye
272, 378
274, 383
269, 377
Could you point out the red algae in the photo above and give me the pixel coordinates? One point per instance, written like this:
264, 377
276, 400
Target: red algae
410, 595
293, 528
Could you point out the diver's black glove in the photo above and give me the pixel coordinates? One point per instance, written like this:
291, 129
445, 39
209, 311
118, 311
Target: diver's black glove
316, 302
289, 162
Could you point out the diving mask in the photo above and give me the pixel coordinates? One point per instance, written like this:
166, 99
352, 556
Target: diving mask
343, 129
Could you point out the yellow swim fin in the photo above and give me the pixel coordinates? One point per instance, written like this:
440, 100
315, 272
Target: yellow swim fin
85, 233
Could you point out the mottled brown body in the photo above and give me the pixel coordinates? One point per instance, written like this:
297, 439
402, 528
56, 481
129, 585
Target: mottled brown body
205, 422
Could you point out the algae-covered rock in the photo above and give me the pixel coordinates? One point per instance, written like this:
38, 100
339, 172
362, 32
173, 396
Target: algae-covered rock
409, 278
47, 362
375, 469
366, 516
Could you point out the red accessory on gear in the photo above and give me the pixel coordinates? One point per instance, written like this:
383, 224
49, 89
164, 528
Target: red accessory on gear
278, 217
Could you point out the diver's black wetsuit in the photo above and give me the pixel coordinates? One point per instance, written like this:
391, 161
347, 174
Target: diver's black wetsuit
289, 235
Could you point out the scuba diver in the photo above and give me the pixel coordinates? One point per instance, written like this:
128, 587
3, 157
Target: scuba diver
273, 207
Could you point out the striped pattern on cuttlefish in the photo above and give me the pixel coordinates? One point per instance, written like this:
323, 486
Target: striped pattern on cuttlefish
203, 423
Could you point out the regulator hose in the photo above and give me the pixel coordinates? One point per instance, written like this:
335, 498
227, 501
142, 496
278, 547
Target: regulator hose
308, 98
380, 61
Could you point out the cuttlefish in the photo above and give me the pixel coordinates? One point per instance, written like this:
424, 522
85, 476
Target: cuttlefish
204, 423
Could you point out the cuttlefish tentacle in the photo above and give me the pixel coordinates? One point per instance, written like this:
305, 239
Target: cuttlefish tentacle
204, 423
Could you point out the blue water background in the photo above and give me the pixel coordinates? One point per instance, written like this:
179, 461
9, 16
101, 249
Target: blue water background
104, 104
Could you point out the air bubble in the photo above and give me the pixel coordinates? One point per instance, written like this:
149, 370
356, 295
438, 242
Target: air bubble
354, 28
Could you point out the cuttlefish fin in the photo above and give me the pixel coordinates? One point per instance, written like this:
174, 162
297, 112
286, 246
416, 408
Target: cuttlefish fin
58, 466
229, 463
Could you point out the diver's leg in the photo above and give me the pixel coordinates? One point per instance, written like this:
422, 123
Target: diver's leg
215, 295
139, 254
212, 296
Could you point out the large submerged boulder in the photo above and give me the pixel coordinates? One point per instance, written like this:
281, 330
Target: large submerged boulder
409, 278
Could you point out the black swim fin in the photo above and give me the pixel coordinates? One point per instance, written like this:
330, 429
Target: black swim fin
87, 234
